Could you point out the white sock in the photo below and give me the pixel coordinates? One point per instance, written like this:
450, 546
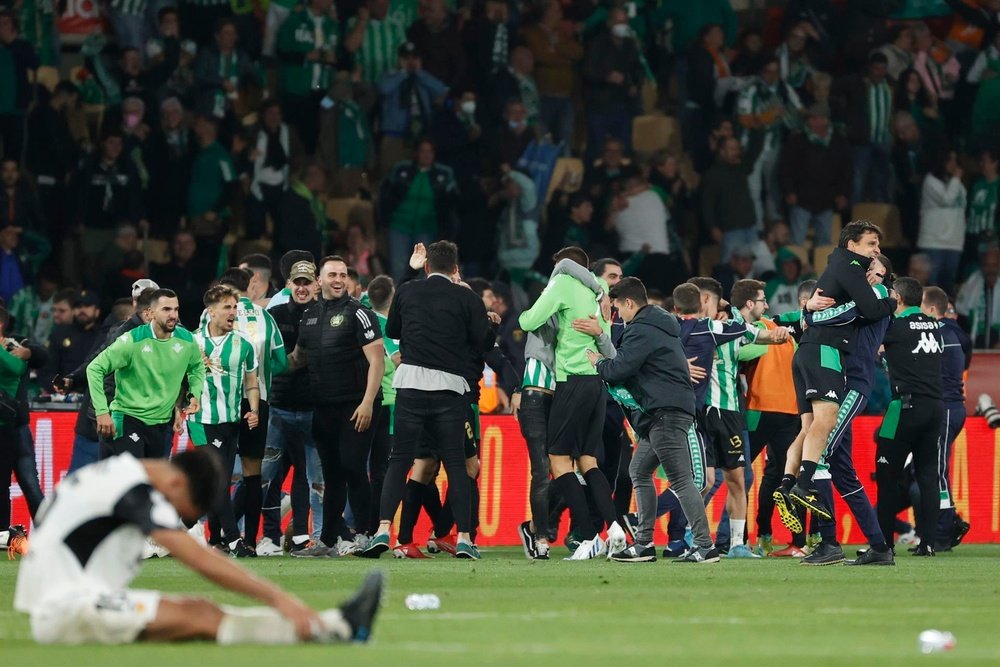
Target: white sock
4, 537
263, 625
736, 529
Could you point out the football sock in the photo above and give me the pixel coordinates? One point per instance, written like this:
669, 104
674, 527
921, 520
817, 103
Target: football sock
412, 495
474, 492
431, 500
806, 473
787, 482
571, 489
263, 625
600, 491
254, 498
446, 518
736, 529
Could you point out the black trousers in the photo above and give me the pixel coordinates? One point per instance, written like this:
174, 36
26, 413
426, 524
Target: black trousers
533, 419
143, 441
774, 431
911, 426
343, 455
8, 456
378, 462
221, 440
442, 414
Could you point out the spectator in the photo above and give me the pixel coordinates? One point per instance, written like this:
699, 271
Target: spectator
458, 137
70, 343
17, 60
276, 153
510, 336
514, 134
487, 42
170, 154
816, 177
910, 165
766, 110
978, 302
796, 67
898, 51
211, 191
12, 273
919, 268
135, 132
691, 18
782, 291
666, 180
515, 82
304, 222
361, 254
223, 74
201, 19
31, 308
939, 77
986, 72
569, 218
186, 276
439, 44
19, 205
983, 226
750, 56
62, 308
408, 96
417, 202
726, 204
517, 241
942, 218
612, 76
374, 38
863, 103
53, 153
705, 67
738, 267
169, 59
912, 96
982, 15
128, 18
346, 148
112, 259
308, 50
557, 54
128, 73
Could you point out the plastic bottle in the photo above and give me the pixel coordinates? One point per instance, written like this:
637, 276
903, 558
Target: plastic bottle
934, 641
422, 601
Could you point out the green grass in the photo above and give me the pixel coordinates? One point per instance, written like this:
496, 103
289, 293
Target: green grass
505, 610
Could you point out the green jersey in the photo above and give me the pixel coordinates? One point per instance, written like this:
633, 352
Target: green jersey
723, 391
379, 49
391, 348
11, 372
300, 34
983, 208
537, 374
148, 374
229, 359
568, 299
257, 326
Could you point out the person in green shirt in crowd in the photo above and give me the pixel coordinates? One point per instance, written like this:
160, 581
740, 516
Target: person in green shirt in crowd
983, 224
690, 17
782, 291
308, 49
577, 414
150, 364
213, 181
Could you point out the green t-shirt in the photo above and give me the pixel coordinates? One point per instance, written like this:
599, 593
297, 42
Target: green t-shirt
11, 373
417, 213
299, 34
983, 208
148, 374
211, 174
391, 348
230, 358
568, 299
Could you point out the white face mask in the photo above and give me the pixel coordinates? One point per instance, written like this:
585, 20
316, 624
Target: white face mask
621, 30
468, 107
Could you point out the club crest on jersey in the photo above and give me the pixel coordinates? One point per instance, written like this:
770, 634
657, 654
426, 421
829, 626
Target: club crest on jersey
337, 320
177, 348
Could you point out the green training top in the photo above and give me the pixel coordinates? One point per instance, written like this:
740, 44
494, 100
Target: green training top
568, 299
148, 374
391, 348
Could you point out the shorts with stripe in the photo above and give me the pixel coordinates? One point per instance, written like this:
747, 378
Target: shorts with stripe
696, 444
724, 439
429, 450
818, 373
951, 426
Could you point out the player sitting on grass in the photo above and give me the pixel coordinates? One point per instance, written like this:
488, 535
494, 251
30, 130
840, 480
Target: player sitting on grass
86, 547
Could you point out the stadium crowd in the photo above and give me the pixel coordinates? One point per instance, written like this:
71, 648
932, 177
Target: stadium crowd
222, 133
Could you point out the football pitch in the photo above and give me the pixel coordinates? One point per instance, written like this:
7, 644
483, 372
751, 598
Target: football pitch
505, 610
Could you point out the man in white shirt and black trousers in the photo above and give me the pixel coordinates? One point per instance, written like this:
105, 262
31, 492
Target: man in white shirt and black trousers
440, 326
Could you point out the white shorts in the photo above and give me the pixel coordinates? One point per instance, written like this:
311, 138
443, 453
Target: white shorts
92, 617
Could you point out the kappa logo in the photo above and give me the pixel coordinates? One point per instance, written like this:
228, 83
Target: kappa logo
882, 459
134, 437
177, 348
147, 348
928, 344
217, 443
832, 394
742, 459
855, 262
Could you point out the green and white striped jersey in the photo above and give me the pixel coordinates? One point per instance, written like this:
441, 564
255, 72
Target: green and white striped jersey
879, 111
983, 208
537, 374
723, 391
378, 52
230, 358
257, 326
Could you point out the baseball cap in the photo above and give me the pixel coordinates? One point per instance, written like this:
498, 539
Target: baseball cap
142, 284
305, 270
745, 252
406, 49
87, 298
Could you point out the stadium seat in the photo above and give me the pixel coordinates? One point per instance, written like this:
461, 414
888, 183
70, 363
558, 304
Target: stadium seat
156, 251
655, 132
351, 209
885, 216
800, 252
821, 257
835, 228
47, 76
708, 258
565, 165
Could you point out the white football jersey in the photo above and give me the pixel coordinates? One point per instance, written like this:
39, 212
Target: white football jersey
89, 533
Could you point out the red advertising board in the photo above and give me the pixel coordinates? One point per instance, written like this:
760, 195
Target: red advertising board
505, 473
81, 18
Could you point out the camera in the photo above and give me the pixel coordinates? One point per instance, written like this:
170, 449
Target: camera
987, 409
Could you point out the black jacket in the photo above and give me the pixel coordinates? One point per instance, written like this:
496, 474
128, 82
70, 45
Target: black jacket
651, 364
439, 325
108, 195
606, 54
290, 391
914, 350
52, 150
844, 281
331, 335
169, 177
26, 209
107, 333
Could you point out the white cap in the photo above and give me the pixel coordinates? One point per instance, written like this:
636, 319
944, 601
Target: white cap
142, 284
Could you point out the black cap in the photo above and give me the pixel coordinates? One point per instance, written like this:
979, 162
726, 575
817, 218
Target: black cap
87, 298
406, 49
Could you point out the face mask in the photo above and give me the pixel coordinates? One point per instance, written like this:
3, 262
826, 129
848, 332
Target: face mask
132, 120
468, 107
621, 30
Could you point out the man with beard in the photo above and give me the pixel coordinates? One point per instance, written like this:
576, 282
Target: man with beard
69, 344
150, 363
